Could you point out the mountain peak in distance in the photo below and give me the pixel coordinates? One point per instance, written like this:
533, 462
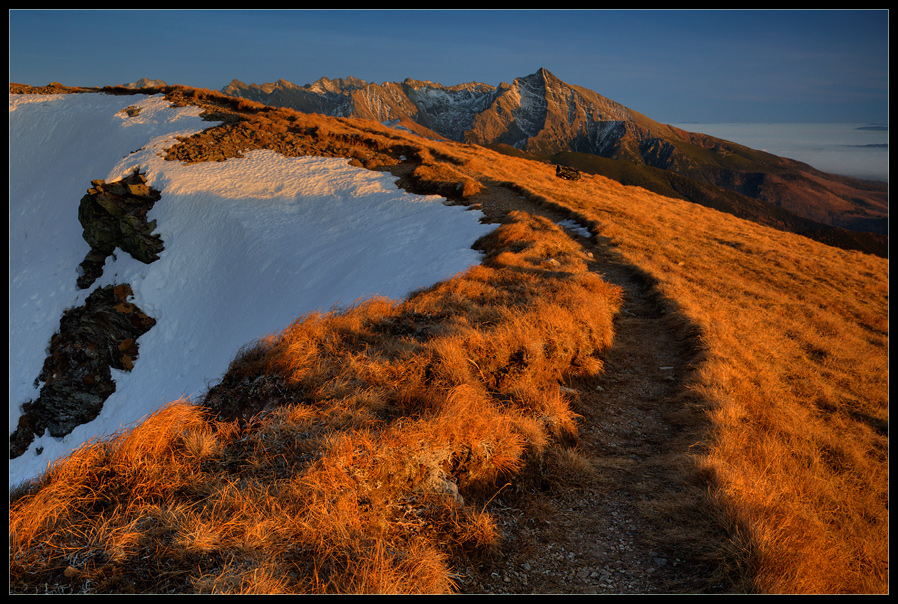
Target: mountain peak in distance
145, 83
543, 116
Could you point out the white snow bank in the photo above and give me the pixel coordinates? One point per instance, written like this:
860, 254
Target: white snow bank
250, 245
576, 227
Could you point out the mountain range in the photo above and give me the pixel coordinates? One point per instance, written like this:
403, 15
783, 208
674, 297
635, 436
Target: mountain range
542, 117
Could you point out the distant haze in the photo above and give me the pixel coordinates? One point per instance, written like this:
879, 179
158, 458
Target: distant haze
859, 150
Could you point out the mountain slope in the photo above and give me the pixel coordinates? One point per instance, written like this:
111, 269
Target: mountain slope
200, 283
340, 474
671, 184
543, 115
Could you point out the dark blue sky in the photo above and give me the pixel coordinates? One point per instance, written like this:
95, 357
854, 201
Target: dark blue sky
673, 66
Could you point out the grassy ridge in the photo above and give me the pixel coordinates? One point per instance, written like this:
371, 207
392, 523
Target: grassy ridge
793, 374
670, 184
337, 453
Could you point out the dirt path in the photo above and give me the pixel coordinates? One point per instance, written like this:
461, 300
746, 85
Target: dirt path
627, 514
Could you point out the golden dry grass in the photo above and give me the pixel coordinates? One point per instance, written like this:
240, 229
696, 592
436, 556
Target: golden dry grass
794, 375
358, 427
351, 479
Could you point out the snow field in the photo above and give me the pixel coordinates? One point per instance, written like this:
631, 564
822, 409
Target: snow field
251, 244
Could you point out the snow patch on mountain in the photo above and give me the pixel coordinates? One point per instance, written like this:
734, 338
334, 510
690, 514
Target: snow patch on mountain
251, 244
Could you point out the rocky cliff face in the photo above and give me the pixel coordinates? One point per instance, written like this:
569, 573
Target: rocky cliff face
114, 215
537, 113
543, 115
76, 378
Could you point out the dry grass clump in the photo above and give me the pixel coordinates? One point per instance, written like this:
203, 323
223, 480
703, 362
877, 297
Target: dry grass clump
352, 453
793, 372
108, 505
442, 179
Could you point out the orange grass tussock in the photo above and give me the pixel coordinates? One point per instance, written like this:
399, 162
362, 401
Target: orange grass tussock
352, 453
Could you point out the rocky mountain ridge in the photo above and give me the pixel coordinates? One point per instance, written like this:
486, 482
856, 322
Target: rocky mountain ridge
541, 115
523, 114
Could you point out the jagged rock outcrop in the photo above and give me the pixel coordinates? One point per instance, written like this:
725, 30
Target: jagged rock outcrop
325, 96
114, 215
92, 338
145, 83
102, 333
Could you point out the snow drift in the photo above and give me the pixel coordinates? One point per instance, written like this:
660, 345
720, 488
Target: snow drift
250, 245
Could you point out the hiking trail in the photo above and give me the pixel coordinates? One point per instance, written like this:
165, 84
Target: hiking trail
636, 518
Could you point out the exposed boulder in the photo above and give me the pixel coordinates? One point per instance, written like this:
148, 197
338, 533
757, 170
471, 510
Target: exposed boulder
76, 375
567, 173
114, 215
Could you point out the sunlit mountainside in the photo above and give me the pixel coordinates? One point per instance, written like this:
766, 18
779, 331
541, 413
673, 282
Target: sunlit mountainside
619, 364
547, 118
